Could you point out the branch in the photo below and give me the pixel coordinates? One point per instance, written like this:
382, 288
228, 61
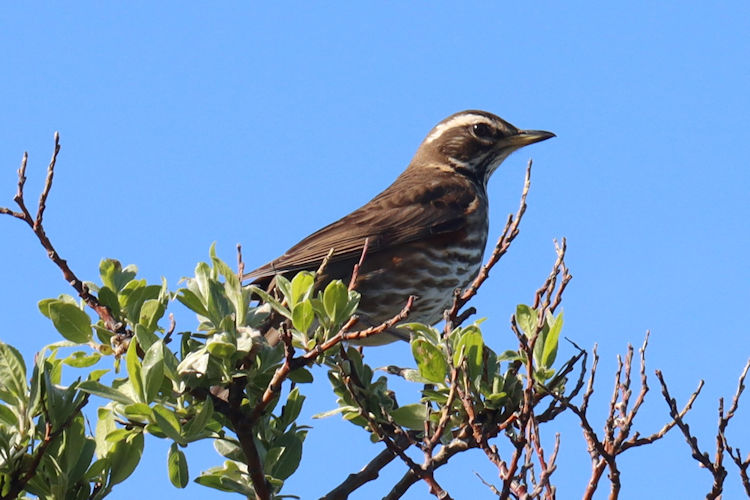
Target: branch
36, 225
501, 247
281, 374
18, 485
735, 454
369, 472
244, 428
718, 472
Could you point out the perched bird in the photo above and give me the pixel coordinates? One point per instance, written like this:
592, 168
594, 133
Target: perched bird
426, 232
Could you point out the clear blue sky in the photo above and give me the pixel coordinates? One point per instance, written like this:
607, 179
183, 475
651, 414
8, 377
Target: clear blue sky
188, 123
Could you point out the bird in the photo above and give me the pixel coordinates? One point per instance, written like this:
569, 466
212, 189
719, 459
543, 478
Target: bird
426, 233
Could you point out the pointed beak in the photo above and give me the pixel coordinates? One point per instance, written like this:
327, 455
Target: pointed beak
526, 137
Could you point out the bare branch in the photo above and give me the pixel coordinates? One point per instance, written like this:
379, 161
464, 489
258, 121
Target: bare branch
240, 262
510, 231
369, 472
717, 470
37, 227
355, 271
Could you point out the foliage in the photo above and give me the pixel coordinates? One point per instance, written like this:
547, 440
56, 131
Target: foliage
236, 379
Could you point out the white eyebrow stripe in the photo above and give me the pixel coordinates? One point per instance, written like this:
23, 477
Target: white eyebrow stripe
456, 121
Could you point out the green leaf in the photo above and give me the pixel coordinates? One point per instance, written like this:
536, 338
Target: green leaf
134, 367
105, 425
125, 455
43, 306
138, 412
109, 298
218, 302
551, 341
301, 288
97, 374
168, 423
70, 321
77, 450
430, 360
423, 330
303, 316
335, 299
285, 286
221, 345
290, 411
197, 425
411, 416
229, 448
82, 359
351, 305
288, 457
227, 478
153, 370
8, 419
104, 391
511, 356
496, 401
177, 467
192, 302
151, 312
527, 319
544, 374
268, 299
13, 386
195, 363
114, 276
471, 345
301, 376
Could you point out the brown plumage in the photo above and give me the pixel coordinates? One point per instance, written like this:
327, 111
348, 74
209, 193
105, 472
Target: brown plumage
426, 232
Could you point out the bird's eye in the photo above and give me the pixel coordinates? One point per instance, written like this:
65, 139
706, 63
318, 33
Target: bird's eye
483, 131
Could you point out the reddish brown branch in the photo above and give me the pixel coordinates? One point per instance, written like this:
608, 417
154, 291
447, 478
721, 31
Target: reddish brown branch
18, 485
718, 472
369, 472
281, 374
240, 262
510, 231
735, 453
244, 428
358, 265
351, 381
35, 223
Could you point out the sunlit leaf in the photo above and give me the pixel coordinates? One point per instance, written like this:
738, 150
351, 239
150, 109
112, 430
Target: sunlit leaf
430, 360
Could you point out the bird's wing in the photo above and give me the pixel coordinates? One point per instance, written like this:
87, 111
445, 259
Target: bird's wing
394, 217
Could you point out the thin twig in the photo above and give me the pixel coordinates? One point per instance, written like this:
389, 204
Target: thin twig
735, 453
368, 473
240, 262
358, 265
510, 231
35, 223
718, 473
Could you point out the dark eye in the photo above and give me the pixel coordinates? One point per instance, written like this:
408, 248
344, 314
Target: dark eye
483, 131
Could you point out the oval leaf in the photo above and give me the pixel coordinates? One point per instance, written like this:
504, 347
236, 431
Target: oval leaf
430, 360
303, 316
411, 416
177, 467
526, 319
471, 345
70, 321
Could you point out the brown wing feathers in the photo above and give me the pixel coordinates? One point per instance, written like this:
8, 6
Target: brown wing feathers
394, 217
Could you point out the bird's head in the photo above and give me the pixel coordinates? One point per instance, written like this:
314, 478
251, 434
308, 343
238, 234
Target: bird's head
473, 143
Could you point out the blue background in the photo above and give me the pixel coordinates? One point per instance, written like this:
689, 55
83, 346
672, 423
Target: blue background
186, 123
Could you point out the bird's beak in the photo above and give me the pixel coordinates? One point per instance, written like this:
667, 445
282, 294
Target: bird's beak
526, 137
